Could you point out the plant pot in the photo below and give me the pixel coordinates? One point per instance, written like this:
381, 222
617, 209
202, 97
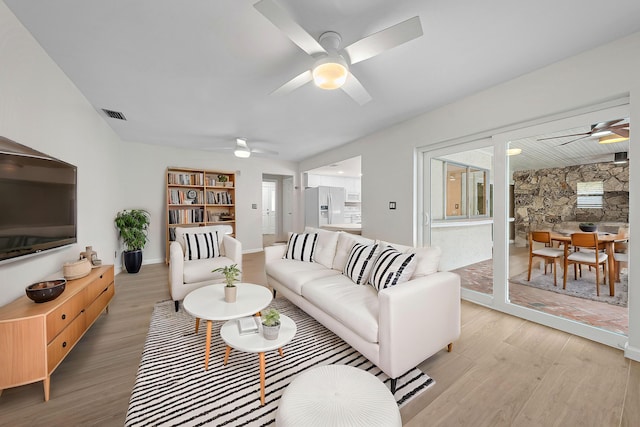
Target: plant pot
230, 293
132, 261
270, 332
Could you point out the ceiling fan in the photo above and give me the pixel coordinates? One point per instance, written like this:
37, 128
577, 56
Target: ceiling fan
604, 130
331, 69
242, 149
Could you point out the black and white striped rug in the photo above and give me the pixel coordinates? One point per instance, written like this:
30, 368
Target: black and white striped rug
173, 389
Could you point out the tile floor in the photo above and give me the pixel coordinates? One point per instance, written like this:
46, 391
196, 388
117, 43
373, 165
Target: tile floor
479, 277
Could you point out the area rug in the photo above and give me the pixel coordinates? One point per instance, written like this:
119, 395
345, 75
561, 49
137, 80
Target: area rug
173, 389
584, 287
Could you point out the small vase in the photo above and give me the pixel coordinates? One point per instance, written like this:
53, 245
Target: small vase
270, 332
230, 293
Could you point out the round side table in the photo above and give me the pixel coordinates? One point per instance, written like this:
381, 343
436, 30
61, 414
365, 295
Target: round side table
337, 395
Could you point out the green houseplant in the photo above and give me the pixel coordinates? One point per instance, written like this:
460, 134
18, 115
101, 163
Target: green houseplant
271, 324
230, 273
133, 225
222, 179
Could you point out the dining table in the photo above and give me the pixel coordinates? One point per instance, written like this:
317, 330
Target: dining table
606, 241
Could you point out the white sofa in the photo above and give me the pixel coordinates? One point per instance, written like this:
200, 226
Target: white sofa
187, 275
396, 328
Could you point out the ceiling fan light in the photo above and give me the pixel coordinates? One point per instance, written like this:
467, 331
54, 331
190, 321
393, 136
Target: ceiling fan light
611, 139
514, 151
243, 154
242, 149
330, 72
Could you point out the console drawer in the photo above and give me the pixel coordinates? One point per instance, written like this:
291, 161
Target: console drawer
62, 316
64, 342
99, 285
98, 306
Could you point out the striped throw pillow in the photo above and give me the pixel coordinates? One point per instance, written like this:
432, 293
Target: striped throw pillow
359, 263
301, 246
392, 268
201, 245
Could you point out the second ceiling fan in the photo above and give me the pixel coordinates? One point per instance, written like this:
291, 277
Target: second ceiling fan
603, 130
331, 69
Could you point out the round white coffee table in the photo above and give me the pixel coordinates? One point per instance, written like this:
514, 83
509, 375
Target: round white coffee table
337, 395
208, 303
256, 343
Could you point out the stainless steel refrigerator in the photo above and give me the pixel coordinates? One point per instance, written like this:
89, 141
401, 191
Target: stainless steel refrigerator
323, 206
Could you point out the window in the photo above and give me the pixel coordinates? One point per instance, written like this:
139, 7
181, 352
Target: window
590, 194
465, 191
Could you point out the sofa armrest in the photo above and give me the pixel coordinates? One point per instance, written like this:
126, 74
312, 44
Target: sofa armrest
233, 249
417, 319
176, 266
275, 252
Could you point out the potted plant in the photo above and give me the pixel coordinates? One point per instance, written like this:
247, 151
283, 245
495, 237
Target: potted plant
132, 225
271, 324
222, 179
230, 273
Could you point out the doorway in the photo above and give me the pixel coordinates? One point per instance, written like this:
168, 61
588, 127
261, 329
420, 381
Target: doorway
277, 208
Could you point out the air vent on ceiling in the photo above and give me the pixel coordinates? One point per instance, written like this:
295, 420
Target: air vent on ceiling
114, 114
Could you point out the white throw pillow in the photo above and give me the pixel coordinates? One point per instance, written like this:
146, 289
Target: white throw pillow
392, 268
360, 262
201, 245
301, 247
326, 246
428, 259
343, 248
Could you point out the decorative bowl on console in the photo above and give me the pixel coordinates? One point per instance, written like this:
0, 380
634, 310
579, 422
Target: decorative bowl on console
47, 290
588, 227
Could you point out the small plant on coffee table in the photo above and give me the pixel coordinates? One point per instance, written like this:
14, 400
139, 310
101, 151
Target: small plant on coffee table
230, 273
271, 324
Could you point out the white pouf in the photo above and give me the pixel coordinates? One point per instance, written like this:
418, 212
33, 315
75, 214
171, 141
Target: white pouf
337, 395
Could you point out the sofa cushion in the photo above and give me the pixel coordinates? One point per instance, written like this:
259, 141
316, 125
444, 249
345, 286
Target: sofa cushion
354, 306
301, 247
294, 274
326, 247
201, 269
201, 245
428, 259
343, 247
360, 262
392, 268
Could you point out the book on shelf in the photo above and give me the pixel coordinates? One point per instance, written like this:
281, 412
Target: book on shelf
248, 325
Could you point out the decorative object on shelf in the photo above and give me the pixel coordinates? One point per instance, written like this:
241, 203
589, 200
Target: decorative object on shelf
89, 254
47, 290
132, 225
76, 269
192, 194
222, 179
588, 227
271, 324
230, 273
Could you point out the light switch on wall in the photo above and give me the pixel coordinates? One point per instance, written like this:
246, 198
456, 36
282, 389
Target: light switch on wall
392, 205
254, 206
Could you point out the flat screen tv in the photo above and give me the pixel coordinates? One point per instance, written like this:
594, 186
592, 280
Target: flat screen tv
37, 202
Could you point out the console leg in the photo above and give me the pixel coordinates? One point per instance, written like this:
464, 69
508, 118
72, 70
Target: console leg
46, 382
274, 293
394, 382
177, 305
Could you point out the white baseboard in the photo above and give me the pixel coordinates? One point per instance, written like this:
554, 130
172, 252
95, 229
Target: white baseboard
252, 251
632, 353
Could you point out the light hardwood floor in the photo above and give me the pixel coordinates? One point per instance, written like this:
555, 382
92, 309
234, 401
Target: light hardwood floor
503, 371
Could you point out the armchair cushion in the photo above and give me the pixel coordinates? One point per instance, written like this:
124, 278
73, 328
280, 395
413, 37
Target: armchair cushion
392, 268
202, 269
201, 245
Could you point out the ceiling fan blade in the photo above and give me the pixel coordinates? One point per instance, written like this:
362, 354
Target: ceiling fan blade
263, 151
605, 125
355, 90
564, 136
621, 132
294, 83
281, 19
574, 140
386, 39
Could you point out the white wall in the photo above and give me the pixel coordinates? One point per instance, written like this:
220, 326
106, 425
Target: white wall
142, 169
41, 108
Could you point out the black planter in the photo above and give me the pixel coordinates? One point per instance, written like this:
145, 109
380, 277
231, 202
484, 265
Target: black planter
133, 261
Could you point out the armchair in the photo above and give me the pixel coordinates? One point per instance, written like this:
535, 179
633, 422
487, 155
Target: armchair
185, 275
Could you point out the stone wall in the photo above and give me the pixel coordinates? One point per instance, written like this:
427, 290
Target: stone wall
545, 199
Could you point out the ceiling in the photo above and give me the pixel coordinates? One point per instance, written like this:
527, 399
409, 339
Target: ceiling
197, 74
348, 168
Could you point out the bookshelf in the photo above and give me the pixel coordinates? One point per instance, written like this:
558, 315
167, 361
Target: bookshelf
198, 197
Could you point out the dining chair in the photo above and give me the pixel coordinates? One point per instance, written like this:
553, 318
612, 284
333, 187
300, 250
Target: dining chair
548, 252
593, 258
620, 250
